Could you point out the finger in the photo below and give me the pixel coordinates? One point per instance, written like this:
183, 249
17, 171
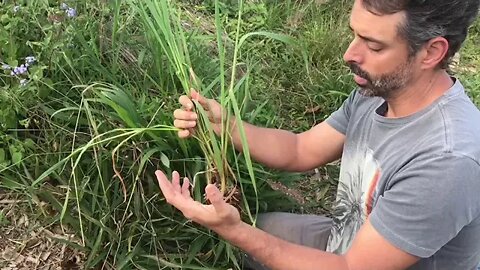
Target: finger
184, 115
185, 186
186, 102
183, 124
202, 100
165, 185
176, 182
193, 93
185, 133
216, 198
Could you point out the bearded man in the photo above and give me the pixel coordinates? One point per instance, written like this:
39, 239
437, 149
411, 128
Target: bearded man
410, 155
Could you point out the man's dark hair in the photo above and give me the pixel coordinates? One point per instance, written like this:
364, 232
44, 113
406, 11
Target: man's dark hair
427, 19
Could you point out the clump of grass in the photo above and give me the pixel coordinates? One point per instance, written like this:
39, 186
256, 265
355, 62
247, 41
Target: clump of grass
164, 28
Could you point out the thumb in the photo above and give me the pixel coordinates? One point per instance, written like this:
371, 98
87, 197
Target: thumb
216, 198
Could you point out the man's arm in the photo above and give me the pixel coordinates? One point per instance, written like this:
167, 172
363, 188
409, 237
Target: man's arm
281, 149
369, 251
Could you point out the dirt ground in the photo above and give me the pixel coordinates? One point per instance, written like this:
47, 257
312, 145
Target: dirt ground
25, 243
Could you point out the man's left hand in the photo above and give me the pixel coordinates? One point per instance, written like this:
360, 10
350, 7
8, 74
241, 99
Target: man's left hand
217, 216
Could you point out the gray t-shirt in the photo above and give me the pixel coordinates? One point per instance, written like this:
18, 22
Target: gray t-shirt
416, 178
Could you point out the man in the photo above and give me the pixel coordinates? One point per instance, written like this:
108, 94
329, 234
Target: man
408, 139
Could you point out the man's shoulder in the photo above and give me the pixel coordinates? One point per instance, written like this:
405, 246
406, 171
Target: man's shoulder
461, 121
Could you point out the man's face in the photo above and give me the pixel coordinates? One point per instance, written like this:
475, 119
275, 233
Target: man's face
378, 56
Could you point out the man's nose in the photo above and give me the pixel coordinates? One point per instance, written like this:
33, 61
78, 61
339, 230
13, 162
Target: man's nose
352, 54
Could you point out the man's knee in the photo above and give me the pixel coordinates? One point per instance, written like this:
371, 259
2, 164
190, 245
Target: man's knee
306, 230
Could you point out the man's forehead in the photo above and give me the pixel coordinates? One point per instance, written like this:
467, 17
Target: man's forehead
367, 23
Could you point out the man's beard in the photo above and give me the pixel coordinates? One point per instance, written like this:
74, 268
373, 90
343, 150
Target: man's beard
384, 85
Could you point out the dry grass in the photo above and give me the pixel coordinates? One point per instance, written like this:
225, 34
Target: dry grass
26, 244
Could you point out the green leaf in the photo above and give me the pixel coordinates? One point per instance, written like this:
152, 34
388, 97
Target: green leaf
95, 247
11, 184
2, 155
29, 144
37, 73
25, 122
196, 246
165, 160
4, 18
3, 219
17, 158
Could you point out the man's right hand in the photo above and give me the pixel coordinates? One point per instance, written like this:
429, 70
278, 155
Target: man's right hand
186, 118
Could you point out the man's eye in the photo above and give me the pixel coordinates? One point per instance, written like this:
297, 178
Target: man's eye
374, 46
375, 49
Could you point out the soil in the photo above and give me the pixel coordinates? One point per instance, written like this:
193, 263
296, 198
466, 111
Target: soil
25, 243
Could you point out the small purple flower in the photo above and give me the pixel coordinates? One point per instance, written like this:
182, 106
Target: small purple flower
64, 6
30, 60
23, 82
6, 67
19, 70
16, 9
71, 12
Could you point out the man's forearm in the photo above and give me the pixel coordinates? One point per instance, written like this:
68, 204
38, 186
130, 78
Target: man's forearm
274, 148
278, 254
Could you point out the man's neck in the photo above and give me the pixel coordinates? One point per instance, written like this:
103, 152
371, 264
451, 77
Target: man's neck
419, 95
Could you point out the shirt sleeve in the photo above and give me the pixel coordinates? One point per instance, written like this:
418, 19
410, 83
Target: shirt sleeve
428, 202
340, 118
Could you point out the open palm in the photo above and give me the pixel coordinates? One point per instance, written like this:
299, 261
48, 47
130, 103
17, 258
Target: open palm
215, 216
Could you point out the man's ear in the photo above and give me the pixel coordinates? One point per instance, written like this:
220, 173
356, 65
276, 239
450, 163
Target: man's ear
433, 52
